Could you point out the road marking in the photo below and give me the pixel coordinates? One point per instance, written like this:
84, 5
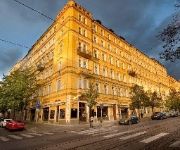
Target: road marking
148, 140
117, 134
93, 131
4, 139
175, 144
38, 134
15, 137
47, 133
133, 135
99, 131
27, 135
104, 133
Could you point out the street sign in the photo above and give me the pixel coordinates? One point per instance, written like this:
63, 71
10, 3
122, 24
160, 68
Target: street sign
38, 104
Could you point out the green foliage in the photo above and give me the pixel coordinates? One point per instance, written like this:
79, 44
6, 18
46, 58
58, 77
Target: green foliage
154, 100
17, 89
173, 100
139, 97
90, 96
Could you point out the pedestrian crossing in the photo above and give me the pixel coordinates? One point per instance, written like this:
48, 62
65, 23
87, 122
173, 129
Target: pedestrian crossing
143, 137
22, 136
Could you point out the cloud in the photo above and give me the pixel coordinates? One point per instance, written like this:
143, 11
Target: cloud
138, 21
9, 57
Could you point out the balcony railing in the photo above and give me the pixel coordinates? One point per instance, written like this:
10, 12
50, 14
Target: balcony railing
40, 67
84, 53
86, 72
132, 73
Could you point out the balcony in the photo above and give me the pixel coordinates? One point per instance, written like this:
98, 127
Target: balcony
96, 59
84, 53
85, 72
40, 67
132, 73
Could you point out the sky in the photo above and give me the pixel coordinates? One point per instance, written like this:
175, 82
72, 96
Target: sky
138, 21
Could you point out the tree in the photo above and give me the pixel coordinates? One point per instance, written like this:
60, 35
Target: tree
170, 36
154, 100
139, 98
17, 89
173, 100
90, 96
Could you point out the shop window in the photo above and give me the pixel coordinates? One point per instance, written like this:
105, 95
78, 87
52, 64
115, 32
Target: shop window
62, 113
73, 113
52, 113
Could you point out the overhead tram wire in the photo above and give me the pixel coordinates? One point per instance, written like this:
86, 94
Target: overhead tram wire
13, 43
46, 16
40, 13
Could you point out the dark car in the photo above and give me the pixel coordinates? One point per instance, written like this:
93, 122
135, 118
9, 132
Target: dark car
158, 116
131, 120
15, 125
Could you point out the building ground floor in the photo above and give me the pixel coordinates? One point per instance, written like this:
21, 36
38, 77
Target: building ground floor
75, 111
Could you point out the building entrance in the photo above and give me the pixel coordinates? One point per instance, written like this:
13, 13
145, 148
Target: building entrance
45, 114
33, 112
82, 111
104, 112
124, 112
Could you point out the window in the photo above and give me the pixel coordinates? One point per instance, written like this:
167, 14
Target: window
108, 37
58, 85
80, 30
112, 74
95, 39
102, 43
104, 71
82, 46
52, 113
49, 88
113, 91
97, 87
102, 32
83, 63
105, 89
118, 76
111, 59
95, 53
62, 113
80, 17
96, 68
80, 85
73, 113
109, 47
59, 66
95, 28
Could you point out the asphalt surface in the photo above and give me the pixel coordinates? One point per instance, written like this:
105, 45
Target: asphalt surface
147, 135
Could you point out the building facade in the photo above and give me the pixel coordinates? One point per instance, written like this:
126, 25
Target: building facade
76, 50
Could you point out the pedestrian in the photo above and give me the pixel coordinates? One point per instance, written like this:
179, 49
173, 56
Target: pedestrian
91, 122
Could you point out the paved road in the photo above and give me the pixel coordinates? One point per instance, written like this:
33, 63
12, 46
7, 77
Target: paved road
148, 135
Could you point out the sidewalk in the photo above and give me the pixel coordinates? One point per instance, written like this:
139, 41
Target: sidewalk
42, 125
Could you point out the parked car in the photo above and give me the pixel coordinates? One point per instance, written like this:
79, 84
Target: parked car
174, 114
3, 122
167, 114
15, 125
131, 120
158, 116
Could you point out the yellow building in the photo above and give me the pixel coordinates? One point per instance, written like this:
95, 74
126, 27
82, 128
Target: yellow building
77, 49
